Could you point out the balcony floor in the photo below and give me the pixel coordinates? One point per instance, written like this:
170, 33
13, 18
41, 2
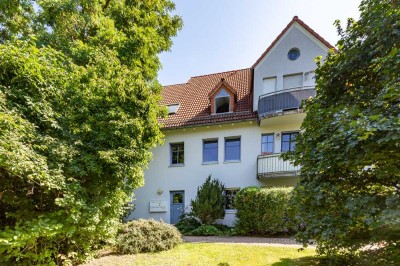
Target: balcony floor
295, 117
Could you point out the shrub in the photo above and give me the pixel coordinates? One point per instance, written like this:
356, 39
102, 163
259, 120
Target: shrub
146, 236
209, 203
264, 211
187, 223
206, 230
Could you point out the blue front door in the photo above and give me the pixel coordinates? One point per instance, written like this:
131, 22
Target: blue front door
177, 205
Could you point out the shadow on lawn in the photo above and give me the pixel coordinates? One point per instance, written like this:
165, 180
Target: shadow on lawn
306, 261
379, 257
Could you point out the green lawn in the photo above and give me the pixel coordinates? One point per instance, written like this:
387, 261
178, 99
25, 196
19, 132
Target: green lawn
215, 254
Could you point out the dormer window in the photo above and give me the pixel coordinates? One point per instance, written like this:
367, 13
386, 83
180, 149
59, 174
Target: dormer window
173, 108
222, 100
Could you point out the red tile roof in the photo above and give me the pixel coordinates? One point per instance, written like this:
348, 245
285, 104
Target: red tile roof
194, 102
305, 26
193, 96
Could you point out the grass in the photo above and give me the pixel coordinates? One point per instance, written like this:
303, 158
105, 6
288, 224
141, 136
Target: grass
215, 254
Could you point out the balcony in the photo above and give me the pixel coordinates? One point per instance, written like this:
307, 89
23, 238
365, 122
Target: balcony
271, 166
284, 101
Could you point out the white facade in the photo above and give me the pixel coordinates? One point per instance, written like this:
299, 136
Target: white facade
276, 64
162, 178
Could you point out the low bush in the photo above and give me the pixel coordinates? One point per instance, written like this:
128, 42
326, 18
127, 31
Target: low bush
187, 223
264, 211
206, 230
146, 236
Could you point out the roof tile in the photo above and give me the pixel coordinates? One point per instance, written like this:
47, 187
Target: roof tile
195, 104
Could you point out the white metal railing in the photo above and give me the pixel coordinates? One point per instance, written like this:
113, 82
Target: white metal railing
273, 166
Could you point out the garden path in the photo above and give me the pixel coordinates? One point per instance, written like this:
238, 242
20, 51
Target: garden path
261, 241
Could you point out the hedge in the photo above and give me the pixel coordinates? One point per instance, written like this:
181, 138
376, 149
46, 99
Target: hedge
265, 211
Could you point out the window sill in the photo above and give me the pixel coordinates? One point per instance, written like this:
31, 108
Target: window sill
230, 211
176, 165
233, 161
207, 163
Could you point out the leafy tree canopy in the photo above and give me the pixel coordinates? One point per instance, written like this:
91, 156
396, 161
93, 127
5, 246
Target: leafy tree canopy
349, 149
78, 107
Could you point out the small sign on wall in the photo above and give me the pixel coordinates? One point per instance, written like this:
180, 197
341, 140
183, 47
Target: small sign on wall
158, 206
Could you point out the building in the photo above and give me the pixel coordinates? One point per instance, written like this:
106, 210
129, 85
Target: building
232, 125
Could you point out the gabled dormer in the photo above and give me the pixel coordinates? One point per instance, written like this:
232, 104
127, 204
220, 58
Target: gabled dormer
284, 73
222, 98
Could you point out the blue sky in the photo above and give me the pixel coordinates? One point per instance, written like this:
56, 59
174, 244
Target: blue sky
223, 35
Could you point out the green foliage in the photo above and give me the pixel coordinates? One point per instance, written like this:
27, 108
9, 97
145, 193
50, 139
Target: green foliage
208, 205
349, 149
187, 223
205, 230
265, 211
146, 236
78, 114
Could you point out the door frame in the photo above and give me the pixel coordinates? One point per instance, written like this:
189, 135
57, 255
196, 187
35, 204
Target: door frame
171, 192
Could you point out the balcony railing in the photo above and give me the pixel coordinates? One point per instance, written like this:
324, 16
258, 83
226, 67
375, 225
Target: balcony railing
271, 166
274, 102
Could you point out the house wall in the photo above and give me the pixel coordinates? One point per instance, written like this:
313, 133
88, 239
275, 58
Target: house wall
276, 62
161, 175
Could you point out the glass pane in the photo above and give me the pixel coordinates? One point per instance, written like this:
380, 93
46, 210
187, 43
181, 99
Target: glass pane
210, 144
285, 146
232, 149
210, 151
177, 198
232, 153
285, 137
222, 105
177, 153
270, 147
230, 199
210, 155
180, 157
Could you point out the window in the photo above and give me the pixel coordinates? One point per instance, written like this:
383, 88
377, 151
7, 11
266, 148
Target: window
309, 78
232, 149
269, 85
292, 81
267, 143
222, 100
172, 108
289, 141
230, 195
210, 151
177, 154
293, 54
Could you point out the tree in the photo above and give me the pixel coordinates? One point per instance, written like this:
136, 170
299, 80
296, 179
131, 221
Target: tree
349, 148
79, 102
209, 203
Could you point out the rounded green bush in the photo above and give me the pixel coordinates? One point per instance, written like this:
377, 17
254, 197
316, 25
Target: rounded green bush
143, 236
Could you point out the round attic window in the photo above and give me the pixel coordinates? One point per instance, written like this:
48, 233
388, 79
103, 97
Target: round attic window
293, 54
